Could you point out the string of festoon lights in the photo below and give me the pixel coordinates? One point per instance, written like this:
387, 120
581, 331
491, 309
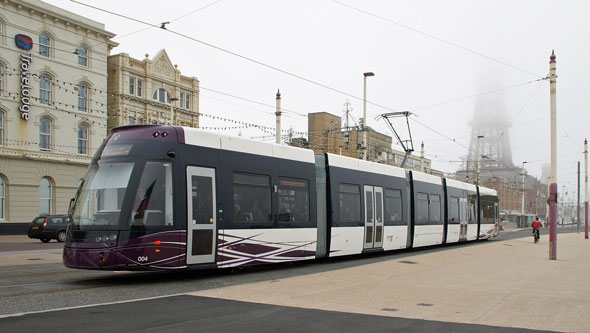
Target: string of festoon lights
61, 106
54, 148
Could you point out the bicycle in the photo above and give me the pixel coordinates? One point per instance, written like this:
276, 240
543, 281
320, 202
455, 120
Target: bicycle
536, 235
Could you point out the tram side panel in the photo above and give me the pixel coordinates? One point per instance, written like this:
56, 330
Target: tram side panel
427, 192
368, 206
269, 205
489, 208
462, 218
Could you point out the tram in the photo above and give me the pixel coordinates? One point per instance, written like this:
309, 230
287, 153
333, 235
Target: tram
175, 198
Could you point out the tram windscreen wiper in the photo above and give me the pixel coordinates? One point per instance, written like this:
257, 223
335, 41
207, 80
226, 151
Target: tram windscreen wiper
143, 205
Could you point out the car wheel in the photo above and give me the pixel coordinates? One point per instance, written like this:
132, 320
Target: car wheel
45, 240
61, 236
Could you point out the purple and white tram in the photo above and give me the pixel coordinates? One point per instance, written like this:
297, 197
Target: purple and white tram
174, 198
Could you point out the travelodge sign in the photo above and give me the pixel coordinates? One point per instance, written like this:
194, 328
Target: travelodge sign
25, 43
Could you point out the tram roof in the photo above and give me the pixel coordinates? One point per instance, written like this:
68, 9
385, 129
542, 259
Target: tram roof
199, 137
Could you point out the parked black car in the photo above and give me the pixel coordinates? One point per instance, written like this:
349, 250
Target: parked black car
49, 227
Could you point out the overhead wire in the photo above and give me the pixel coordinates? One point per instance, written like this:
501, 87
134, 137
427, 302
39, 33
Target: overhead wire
436, 38
292, 74
171, 21
235, 54
475, 95
521, 109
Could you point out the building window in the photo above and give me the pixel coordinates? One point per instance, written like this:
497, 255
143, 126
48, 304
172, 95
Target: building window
82, 139
139, 87
44, 89
1, 32
161, 95
45, 134
2, 116
131, 86
45, 196
82, 97
2, 198
82, 56
1, 75
44, 45
185, 100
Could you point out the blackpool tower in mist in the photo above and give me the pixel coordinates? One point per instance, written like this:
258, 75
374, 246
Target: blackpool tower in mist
489, 130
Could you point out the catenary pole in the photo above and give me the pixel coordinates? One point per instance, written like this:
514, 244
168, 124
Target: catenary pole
364, 124
553, 186
578, 206
278, 116
586, 188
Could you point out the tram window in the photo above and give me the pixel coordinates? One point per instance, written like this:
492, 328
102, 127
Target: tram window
393, 207
369, 206
293, 200
434, 208
463, 209
421, 208
152, 205
252, 198
202, 199
349, 203
488, 211
454, 210
471, 209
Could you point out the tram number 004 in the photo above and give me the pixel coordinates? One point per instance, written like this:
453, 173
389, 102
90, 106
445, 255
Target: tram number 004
142, 258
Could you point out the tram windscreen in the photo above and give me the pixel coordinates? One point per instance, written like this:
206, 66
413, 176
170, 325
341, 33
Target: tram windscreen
101, 197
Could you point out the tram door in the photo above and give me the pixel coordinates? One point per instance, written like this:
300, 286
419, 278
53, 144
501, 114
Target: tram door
463, 219
201, 225
373, 217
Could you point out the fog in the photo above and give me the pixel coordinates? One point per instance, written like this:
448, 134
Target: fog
429, 57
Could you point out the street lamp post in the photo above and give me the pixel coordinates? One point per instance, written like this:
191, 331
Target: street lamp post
365, 143
522, 222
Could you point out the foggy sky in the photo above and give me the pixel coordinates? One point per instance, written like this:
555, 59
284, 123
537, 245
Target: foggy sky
408, 47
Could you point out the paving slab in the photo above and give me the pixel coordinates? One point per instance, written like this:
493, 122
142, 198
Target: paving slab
22, 250
499, 283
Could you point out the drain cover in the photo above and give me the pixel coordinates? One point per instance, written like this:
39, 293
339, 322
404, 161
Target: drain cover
408, 262
425, 304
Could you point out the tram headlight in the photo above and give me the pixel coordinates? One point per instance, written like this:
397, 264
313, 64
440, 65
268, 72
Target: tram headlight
113, 237
105, 238
98, 239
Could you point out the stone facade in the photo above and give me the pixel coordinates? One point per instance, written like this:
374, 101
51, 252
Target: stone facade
150, 91
52, 105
